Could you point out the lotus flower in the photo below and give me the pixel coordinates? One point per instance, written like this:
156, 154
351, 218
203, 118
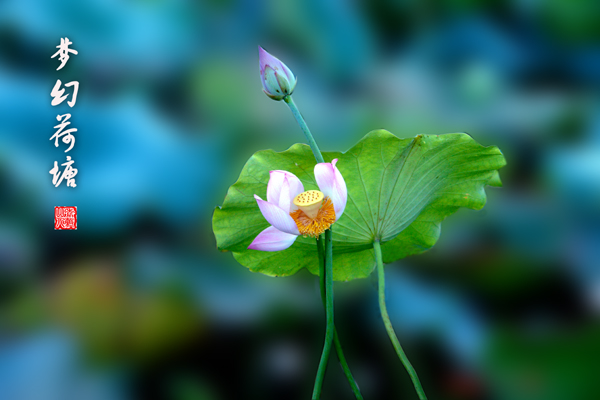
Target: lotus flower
291, 211
277, 79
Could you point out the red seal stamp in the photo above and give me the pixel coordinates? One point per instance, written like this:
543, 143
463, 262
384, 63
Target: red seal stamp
65, 218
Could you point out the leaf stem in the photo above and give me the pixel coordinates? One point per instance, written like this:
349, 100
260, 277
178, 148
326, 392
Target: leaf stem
336, 340
309, 137
388, 324
329, 332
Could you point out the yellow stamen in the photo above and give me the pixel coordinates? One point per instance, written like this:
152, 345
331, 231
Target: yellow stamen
323, 219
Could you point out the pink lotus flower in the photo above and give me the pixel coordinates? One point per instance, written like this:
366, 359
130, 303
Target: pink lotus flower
291, 211
277, 79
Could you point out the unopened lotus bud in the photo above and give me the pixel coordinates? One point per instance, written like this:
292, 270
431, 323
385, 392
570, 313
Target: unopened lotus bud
309, 202
277, 79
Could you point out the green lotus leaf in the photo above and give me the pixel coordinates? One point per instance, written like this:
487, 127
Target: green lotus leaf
399, 192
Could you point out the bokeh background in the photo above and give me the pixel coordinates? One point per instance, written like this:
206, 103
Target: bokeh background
138, 303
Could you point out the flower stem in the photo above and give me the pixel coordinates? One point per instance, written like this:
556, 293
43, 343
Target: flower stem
329, 332
336, 340
388, 324
309, 137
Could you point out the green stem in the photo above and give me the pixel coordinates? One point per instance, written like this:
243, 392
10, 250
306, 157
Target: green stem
336, 340
388, 325
329, 332
326, 279
321, 254
309, 137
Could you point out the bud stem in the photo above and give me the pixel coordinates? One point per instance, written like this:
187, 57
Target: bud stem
330, 329
326, 278
309, 137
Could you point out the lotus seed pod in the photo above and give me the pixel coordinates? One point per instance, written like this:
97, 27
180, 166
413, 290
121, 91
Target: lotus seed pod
309, 202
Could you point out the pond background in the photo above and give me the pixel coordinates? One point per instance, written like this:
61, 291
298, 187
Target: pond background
138, 303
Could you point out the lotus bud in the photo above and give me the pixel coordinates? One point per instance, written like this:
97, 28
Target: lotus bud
277, 79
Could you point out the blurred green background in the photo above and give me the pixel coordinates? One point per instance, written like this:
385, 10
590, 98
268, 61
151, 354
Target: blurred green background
138, 303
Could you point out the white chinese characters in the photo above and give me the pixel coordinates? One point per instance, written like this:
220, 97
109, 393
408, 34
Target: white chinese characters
67, 138
66, 135
57, 93
63, 52
68, 173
